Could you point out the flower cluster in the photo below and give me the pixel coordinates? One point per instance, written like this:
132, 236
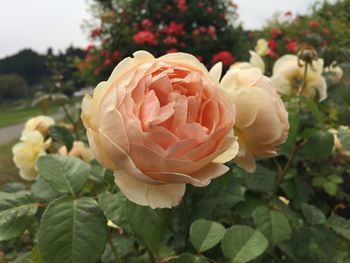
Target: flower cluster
35, 141
162, 123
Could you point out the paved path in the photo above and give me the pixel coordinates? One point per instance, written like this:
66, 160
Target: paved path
10, 133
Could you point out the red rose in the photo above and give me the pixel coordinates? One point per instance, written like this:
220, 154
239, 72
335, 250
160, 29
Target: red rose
314, 24
95, 33
146, 23
272, 44
211, 30
107, 62
224, 56
292, 46
172, 50
145, 37
276, 32
170, 40
325, 31
181, 5
175, 28
210, 9
115, 55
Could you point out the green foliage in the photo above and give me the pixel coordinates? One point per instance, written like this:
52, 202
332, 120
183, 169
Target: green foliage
273, 224
205, 234
62, 134
12, 87
70, 228
242, 244
313, 215
64, 174
16, 213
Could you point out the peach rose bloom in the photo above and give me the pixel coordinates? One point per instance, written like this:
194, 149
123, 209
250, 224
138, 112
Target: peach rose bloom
159, 123
261, 119
39, 123
78, 150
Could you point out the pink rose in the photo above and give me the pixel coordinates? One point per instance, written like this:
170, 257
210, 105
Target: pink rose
159, 123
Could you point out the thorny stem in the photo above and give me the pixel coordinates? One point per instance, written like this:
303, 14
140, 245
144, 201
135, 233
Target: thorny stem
114, 250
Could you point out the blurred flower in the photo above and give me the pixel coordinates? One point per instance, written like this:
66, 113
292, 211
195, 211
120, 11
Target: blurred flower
170, 40
288, 13
314, 24
115, 55
145, 37
27, 152
261, 118
89, 48
338, 146
146, 23
211, 30
175, 28
159, 123
209, 9
255, 62
276, 32
95, 33
262, 47
288, 76
325, 31
273, 44
334, 72
107, 62
171, 50
78, 150
181, 5
292, 46
224, 56
39, 123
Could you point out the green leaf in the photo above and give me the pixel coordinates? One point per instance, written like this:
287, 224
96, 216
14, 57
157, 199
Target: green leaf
42, 191
273, 224
340, 225
313, 108
189, 258
331, 188
319, 145
344, 137
242, 244
134, 218
64, 174
293, 109
16, 213
313, 215
262, 180
62, 134
205, 234
72, 230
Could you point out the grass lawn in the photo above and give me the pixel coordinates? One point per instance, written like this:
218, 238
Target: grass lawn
11, 116
8, 170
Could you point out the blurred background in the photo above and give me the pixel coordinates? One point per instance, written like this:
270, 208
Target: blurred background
53, 52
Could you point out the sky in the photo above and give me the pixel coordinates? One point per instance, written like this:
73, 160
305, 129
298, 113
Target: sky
39, 24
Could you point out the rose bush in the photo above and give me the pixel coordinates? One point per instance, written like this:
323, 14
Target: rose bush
159, 123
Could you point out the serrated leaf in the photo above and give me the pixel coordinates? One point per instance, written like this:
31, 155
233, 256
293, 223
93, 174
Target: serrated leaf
134, 217
205, 234
42, 191
62, 134
16, 213
242, 244
64, 174
262, 180
340, 225
313, 215
72, 230
273, 224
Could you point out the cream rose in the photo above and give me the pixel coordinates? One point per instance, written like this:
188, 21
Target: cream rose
27, 152
288, 76
159, 123
78, 150
40, 123
335, 72
261, 119
262, 47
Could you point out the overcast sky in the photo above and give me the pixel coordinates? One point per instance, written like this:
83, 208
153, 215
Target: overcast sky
39, 24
